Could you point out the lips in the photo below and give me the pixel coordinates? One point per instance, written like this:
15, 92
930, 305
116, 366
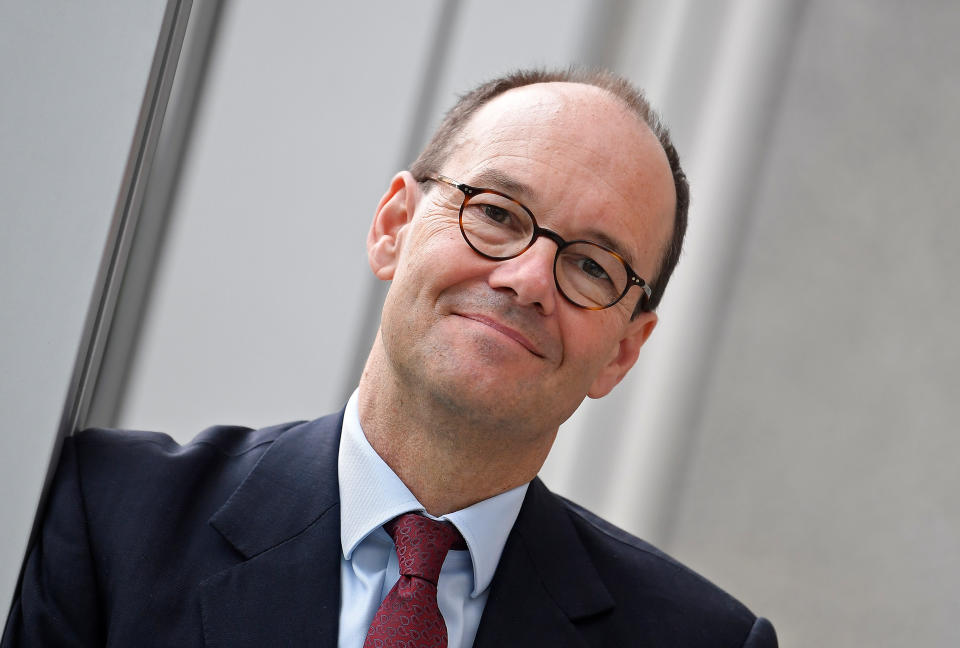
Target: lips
511, 333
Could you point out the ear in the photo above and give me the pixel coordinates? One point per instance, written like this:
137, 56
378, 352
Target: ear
624, 355
395, 211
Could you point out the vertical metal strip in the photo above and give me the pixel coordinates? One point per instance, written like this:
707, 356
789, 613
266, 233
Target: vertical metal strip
155, 214
117, 248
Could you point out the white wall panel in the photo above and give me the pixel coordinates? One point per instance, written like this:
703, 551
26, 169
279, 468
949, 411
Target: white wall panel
494, 37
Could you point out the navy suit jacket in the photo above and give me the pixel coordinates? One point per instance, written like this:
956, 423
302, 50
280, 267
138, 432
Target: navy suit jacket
234, 540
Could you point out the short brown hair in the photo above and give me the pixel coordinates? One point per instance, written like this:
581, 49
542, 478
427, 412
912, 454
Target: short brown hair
441, 145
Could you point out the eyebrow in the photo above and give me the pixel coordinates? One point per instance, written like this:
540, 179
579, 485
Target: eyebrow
493, 178
608, 241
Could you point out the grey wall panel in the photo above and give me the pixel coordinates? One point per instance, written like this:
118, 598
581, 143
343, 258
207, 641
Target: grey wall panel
73, 77
824, 483
528, 34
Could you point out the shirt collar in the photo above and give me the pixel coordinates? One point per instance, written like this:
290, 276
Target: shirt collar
372, 494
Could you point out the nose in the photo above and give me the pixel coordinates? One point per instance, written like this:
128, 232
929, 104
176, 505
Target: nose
530, 276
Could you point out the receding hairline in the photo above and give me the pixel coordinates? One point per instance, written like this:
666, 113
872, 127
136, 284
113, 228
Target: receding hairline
599, 91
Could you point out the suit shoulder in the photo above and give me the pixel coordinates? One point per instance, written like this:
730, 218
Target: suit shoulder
152, 461
630, 563
591, 524
226, 440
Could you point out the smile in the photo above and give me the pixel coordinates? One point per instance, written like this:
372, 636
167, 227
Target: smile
514, 335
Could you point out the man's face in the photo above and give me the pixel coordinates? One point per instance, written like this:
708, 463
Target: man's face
494, 340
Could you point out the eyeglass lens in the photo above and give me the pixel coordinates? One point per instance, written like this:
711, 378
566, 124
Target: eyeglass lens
501, 228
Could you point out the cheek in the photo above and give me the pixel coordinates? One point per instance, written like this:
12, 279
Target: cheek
590, 343
434, 255
432, 238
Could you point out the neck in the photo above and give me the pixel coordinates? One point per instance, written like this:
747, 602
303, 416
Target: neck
446, 458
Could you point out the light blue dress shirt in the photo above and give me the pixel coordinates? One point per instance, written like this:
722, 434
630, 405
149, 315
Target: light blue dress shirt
372, 494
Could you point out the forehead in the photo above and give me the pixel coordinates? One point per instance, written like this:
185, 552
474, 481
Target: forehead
584, 160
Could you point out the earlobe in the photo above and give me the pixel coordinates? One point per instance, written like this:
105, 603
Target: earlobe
394, 212
624, 355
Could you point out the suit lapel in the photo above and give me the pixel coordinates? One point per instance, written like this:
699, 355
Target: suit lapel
284, 520
544, 582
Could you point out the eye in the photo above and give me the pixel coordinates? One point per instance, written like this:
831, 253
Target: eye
493, 212
497, 214
590, 267
590, 275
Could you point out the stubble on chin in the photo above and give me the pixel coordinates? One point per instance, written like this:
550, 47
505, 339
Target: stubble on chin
461, 388
448, 366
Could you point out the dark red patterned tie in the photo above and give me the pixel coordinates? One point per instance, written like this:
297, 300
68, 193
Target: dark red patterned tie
409, 616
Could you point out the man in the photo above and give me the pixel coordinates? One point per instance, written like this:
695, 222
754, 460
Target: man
527, 248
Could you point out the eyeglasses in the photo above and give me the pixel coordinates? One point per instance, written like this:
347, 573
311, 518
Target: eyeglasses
498, 227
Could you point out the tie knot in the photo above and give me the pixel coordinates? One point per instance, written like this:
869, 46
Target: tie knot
422, 544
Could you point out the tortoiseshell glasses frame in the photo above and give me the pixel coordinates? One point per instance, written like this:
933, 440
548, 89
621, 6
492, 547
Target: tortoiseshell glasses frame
498, 227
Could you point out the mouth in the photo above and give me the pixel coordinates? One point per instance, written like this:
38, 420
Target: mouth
513, 334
